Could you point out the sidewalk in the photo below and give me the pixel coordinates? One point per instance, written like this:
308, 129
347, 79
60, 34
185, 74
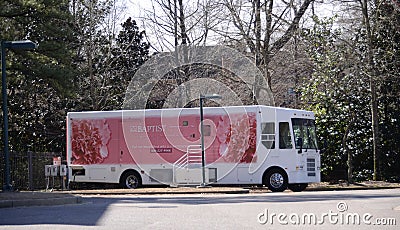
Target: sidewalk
16, 199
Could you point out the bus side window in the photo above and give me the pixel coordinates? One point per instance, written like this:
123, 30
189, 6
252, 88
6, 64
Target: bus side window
285, 139
268, 135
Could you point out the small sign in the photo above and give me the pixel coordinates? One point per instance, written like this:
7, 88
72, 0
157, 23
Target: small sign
161, 150
57, 161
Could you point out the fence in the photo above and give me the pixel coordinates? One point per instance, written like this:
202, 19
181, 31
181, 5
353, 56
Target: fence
27, 169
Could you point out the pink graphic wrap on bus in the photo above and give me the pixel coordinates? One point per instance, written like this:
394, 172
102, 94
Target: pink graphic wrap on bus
230, 139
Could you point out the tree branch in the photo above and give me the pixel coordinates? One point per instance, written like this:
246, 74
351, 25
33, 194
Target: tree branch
292, 28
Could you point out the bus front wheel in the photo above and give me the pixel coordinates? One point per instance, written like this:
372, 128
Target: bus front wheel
276, 180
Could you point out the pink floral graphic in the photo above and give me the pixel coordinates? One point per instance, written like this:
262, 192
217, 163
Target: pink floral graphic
237, 137
89, 141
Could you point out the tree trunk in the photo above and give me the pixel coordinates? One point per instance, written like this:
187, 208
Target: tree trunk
374, 103
185, 43
267, 40
175, 24
90, 50
182, 23
346, 150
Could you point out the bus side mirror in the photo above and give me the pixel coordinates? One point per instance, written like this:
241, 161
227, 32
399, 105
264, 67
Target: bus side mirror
300, 144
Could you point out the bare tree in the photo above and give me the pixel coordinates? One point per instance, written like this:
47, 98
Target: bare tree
171, 23
261, 28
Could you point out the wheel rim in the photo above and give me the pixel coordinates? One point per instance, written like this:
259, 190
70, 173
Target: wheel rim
132, 181
276, 180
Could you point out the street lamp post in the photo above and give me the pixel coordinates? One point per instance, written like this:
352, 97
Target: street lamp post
203, 157
26, 45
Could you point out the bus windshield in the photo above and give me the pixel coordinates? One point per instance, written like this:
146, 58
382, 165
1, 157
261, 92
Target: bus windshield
304, 130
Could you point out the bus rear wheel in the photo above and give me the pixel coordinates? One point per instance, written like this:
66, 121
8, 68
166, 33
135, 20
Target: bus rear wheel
276, 180
130, 180
298, 187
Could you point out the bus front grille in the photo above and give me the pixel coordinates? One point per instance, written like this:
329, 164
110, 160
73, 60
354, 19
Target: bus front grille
311, 167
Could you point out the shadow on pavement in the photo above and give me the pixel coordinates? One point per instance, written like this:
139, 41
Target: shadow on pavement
93, 208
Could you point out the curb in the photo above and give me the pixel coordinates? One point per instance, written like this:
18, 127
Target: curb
160, 192
40, 202
74, 198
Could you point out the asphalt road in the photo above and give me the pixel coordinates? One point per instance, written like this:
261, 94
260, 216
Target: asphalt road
364, 209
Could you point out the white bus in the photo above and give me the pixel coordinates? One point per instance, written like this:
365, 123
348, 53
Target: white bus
243, 145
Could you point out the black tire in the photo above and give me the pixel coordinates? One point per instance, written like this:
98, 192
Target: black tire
276, 180
298, 187
130, 180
